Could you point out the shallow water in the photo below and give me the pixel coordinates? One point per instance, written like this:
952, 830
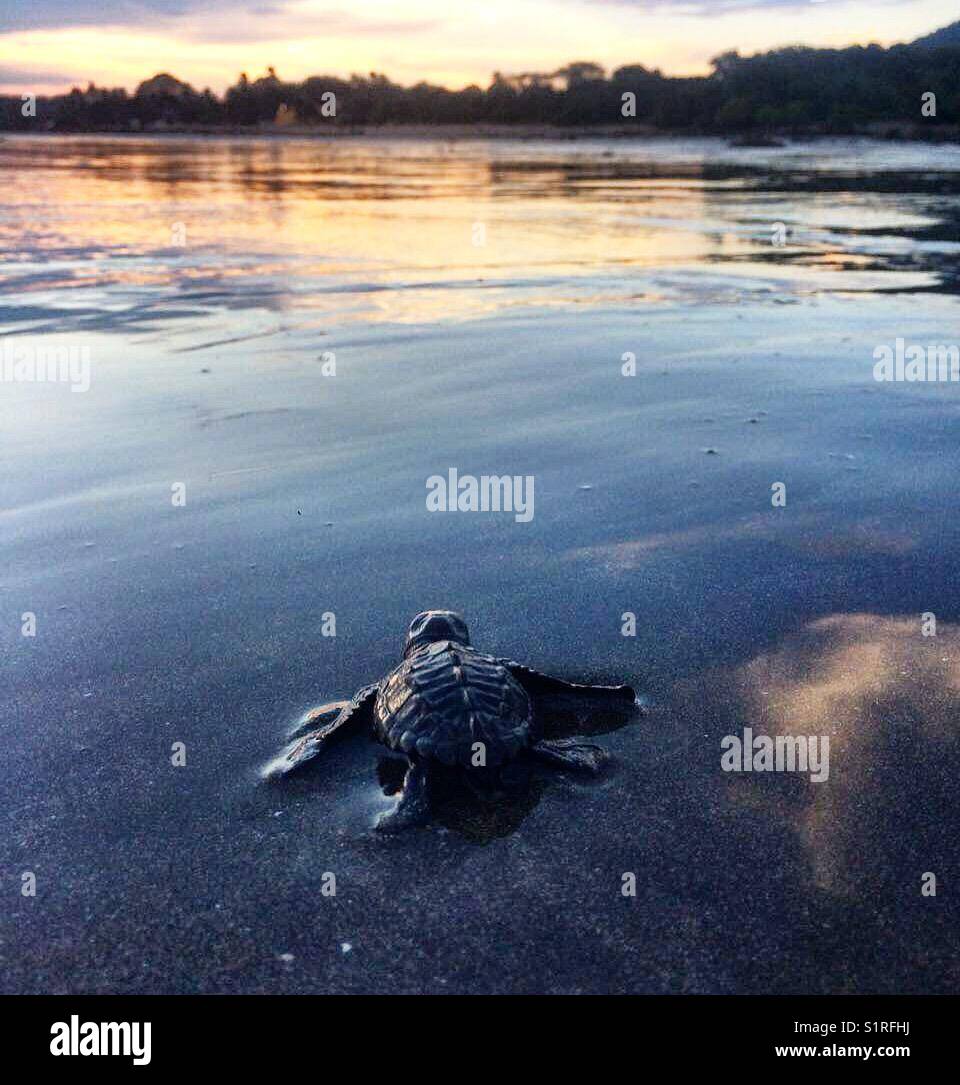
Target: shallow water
477, 299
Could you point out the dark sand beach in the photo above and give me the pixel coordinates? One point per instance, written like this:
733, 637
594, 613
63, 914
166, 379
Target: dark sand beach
494, 350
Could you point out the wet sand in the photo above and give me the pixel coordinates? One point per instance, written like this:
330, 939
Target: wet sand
201, 624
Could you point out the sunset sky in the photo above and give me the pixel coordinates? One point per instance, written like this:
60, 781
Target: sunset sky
47, 46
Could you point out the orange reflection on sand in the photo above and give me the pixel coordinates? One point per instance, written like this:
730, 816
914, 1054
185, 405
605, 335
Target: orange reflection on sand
889, 700
419, 231
807, 533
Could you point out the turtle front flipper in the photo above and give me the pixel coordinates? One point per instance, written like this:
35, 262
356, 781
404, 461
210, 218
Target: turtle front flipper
414, 805
535, 682
566, 753
316, 718
309, 745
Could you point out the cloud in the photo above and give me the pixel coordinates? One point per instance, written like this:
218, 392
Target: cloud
700, 8
221, 21
57, 14
260, 25
15, 76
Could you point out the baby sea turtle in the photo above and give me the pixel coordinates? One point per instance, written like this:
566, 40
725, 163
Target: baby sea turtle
446, 703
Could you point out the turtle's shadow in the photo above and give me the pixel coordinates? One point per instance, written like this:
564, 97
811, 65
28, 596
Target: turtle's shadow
484, 806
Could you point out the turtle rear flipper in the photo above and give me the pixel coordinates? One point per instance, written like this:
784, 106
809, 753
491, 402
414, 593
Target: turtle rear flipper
565, 753
315, 741
414, 805
536, 682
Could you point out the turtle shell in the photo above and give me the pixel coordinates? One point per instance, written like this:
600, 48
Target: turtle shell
445, 698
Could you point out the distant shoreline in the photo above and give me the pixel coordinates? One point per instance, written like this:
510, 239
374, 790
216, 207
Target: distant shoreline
902, 131
904, 92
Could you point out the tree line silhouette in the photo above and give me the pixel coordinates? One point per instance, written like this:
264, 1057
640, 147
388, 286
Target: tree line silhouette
793, 89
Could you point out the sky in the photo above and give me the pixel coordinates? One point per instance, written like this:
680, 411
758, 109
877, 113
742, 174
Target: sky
49, 45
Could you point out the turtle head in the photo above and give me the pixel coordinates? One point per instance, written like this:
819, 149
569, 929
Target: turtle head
433, 625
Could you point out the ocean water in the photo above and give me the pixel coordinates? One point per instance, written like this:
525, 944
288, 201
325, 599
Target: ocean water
275, 344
